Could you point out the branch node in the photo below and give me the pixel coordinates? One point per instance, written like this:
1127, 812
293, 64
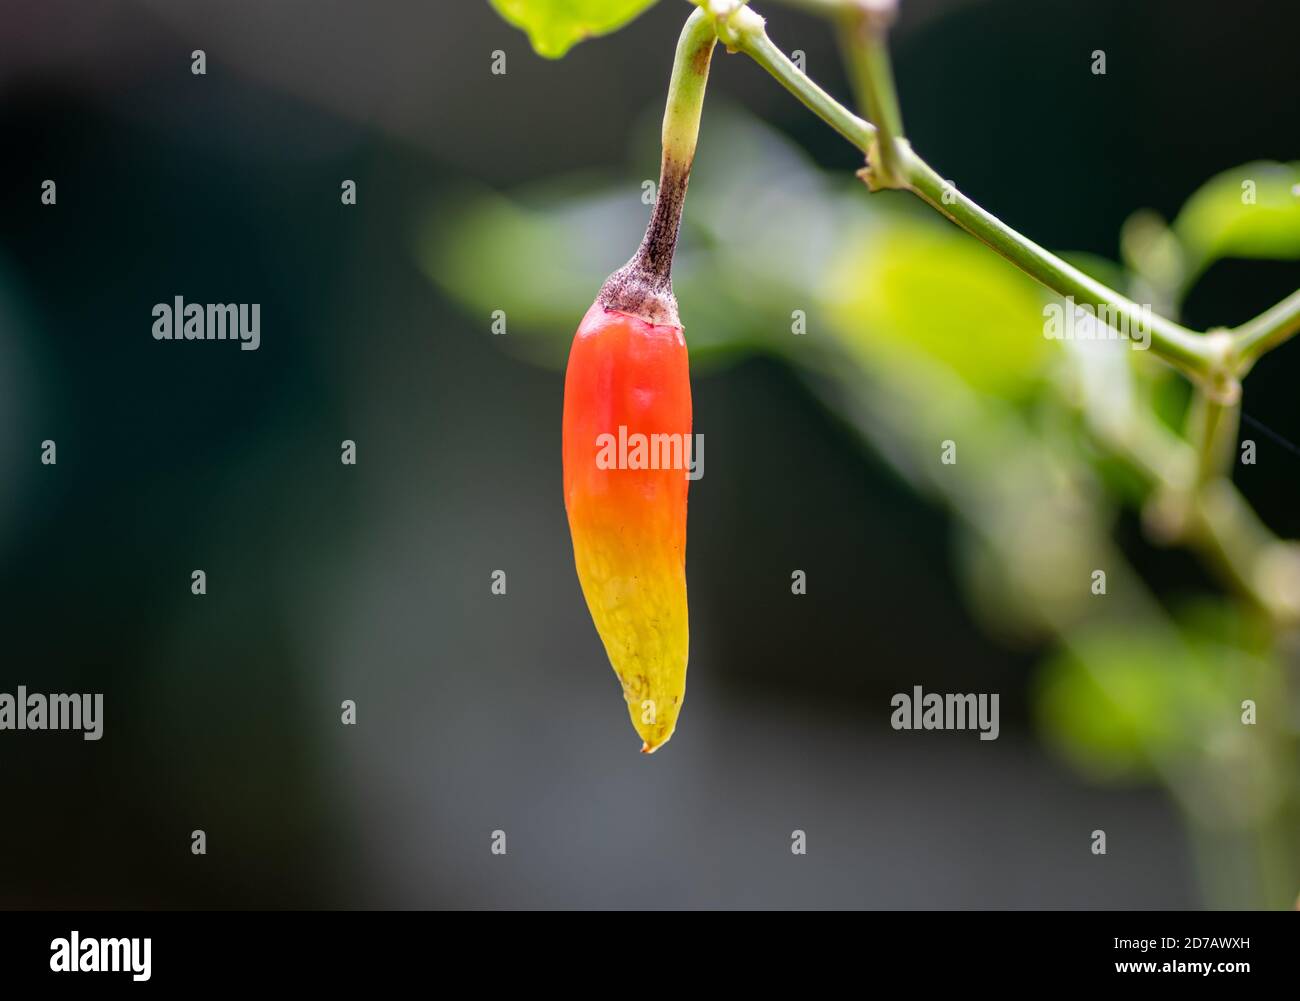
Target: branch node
1221, 381
876, 174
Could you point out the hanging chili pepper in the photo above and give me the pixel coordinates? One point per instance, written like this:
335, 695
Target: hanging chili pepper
627, 400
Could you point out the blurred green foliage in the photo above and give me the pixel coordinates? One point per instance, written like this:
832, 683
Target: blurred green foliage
554, 26
916, 334
1249, 211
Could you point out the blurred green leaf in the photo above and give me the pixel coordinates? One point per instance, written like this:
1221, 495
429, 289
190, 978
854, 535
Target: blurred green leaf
1244, 632
1151, 250
761, 223
915, 289
541, 265
1117, 700
555, 26
1145, 699
1249, 211
1130, 700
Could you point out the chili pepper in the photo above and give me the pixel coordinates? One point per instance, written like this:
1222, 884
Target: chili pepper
629, 377
628, 380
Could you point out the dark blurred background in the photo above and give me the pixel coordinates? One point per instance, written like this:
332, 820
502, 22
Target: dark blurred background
329, 582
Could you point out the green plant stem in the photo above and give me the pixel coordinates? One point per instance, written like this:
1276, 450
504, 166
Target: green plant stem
1185, 350
1212, 429
1191, 353
1227, 527
681, 130
1266, 331
643, 287
1221, 520
760, 48
1214, 362
685, 103
865, 29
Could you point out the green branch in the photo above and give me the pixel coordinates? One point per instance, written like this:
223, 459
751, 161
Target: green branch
866, 25
643, 287
759, 47
1207, 361
1196, 356
1266, 331
1206, 506
681, 127
1212, 427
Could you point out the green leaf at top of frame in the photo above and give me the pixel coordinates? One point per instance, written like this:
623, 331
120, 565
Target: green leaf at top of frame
555, 26
1249, 211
